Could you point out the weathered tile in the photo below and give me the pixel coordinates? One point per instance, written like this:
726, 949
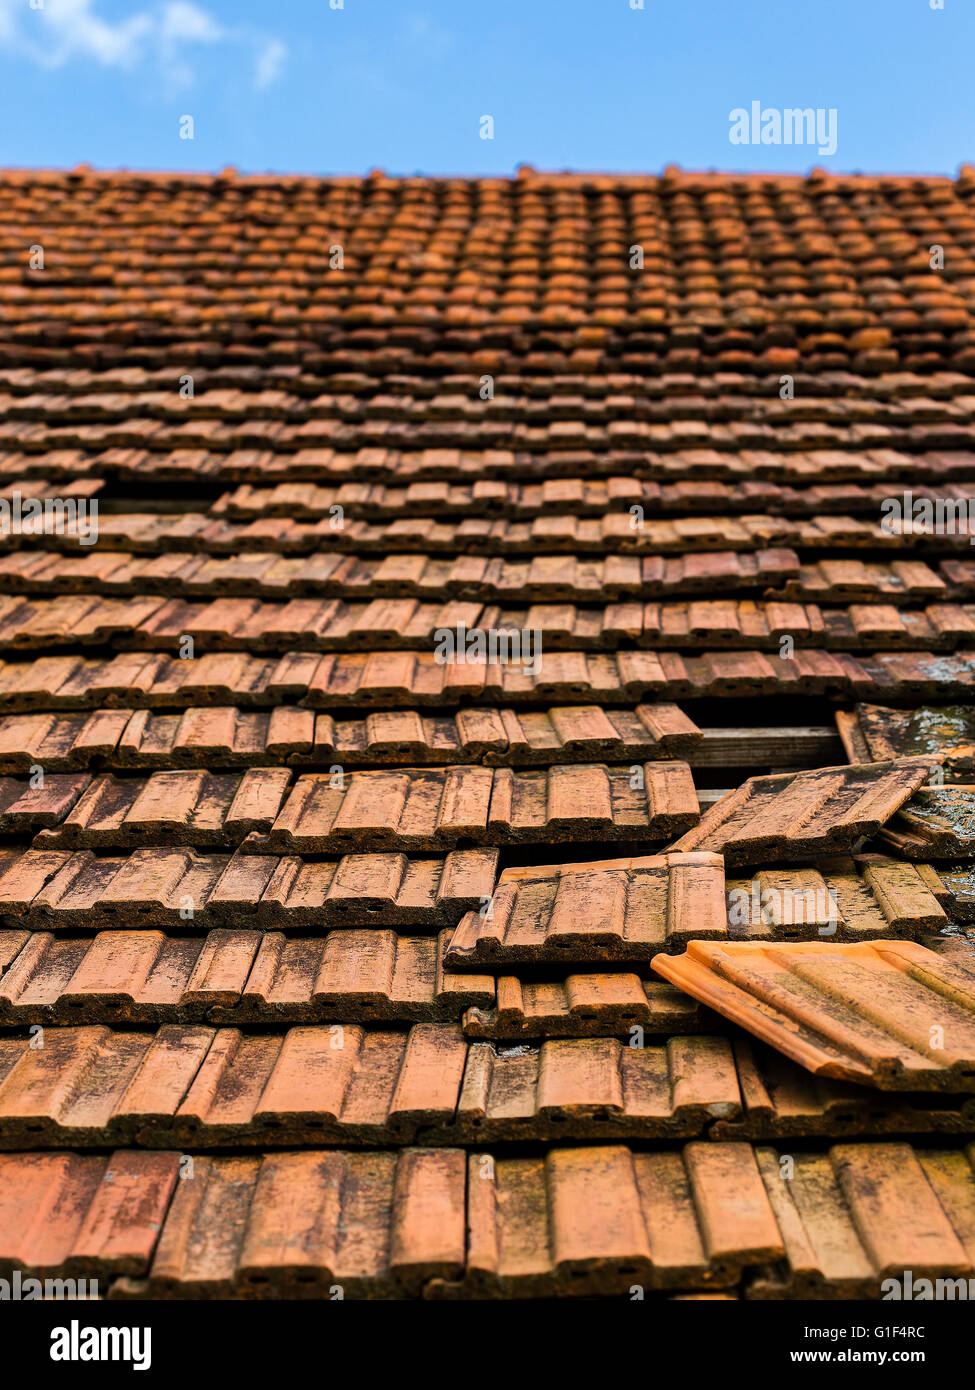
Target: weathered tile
804, 814
888, 1014
180, 889
432, 808
782, 1100
89, 1216
936, 823
616, 909
861, 1214
880, 733
600, 1005
600, 1220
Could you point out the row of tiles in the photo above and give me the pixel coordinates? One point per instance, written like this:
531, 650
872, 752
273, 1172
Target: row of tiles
357, 681
442, 1222
786, 430
120, 739
712, 396
521, 398
327, 573
705, 392
850, 218
354, 975
623, 530
476, 581
242, 976
489, 501
525, 501
191, 1086
480, 634
555, 915
925, 457
401, 809
789, 816
785, 816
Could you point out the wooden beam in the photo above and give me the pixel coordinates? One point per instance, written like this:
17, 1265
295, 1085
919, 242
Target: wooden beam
804, 746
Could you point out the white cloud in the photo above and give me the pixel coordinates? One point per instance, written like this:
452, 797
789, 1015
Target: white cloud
181, 20
66, 31
270, 64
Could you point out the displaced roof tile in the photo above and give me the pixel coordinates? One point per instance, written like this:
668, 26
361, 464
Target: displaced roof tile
889, 1014
799, 815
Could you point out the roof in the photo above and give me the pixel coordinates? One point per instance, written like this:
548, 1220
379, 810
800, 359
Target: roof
457, 605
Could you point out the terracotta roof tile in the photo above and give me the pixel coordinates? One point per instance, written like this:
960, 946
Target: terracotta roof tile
235, 975
936, 823
853, 581
229, 737
878, 733
864, 1212
185, 806
845, 898
187, 1085
600, 1005
889, 1014
93, 1217
801, 815
426, 808
781, 1100
371, 1224
622, 909
602, 1219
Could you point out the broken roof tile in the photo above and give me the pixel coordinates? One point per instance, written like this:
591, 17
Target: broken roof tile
936, 823
782, 1100
879, 733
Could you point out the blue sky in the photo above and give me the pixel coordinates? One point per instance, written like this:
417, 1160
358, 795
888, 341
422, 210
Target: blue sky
402, 84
